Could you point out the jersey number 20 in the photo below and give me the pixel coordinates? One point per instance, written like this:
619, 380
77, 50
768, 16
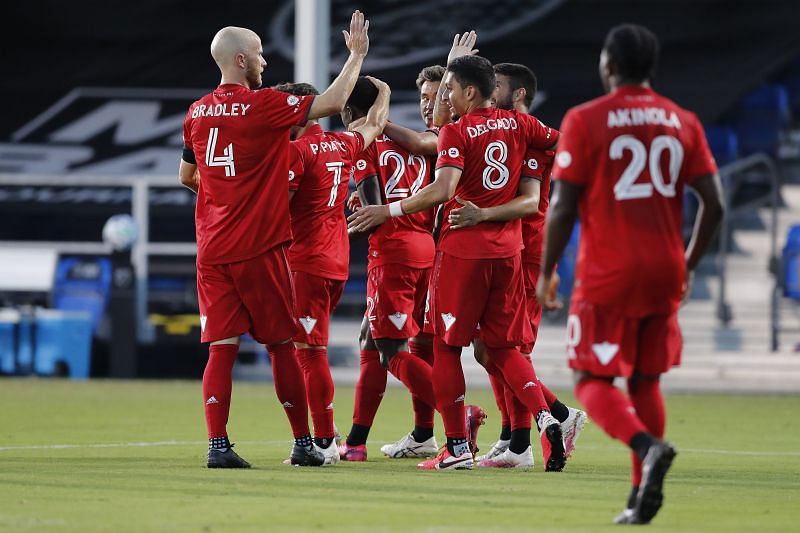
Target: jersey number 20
626, 187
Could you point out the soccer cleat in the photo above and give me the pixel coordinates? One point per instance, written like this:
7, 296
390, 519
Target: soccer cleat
331, 453
475, 418
509, 459
571, 429
356, 454
409, 447
306, 456
497, 449
445, 461
651, 490
552, 443
225, 459
627, 516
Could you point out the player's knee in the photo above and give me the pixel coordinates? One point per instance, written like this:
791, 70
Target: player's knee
386, 358
229, 340
582, 375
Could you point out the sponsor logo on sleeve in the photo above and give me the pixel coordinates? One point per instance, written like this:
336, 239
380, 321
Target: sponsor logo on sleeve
564, 159
291, 175
361, 164
292, 100
533, 164
453, 152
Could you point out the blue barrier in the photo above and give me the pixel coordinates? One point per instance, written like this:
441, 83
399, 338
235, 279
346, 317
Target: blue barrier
791, 264
566, 265
83, 285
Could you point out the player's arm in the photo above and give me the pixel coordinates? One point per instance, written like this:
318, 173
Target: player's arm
523, 205
419, 143
377, 115
188, 175
334, 98
463, 44
442, 189
709, 217
369, 194
561, 219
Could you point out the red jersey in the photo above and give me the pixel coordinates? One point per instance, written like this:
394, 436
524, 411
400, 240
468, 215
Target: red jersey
633, 151
406, 240
240, 140
538, 165
321, 164
489, 146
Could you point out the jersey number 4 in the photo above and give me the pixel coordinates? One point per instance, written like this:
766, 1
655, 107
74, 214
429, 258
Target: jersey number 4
224, 160
626, 187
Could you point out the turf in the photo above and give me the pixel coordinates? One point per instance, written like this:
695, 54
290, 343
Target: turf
738, 468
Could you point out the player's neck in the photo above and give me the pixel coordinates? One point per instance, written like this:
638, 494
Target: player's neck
228, 79
631, 84
478, 105
520, 107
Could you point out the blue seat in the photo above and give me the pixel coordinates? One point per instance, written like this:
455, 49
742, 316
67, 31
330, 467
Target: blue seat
724, 144
8, 353
791, 80
791, 264
760, 117
566, 265
63, 338
83, 285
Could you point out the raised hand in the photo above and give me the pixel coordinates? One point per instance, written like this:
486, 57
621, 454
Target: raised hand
463, 45
357, 39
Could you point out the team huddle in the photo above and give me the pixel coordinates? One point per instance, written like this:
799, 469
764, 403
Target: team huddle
459, 253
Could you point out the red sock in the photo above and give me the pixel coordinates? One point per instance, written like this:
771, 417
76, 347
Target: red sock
319, 388
415, 374
499, 390
519, 414
609, 408
289, 386
646, 397
450, 387
549, 396
217, 385
423, 413
369, 389
520, 376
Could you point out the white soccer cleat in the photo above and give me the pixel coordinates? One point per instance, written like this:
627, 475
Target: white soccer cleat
445, 461
409, 447
497, 449
509, 459
571, 429
331, 454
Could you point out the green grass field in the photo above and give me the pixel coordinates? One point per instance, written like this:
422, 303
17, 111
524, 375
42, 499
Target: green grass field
130, 456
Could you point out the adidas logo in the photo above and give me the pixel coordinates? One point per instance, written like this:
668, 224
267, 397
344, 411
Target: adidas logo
330, 406
308, 323
399, 320
605, 351
448, 320
528, 385
459, 399
288, 405
203, 319
211, 400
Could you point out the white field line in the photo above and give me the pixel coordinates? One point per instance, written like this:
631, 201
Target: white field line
157, 444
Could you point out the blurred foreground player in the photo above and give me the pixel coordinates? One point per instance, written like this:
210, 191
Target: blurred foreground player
238, 138
622, 166
320, 168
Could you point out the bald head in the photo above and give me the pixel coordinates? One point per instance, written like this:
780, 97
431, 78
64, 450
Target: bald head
237, 52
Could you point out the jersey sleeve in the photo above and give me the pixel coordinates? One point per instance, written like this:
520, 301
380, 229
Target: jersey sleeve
281, 110
187, 133
296, 166
700, 161
450, 148
572, 161
365, 164
536, 163
354, 142
538, 134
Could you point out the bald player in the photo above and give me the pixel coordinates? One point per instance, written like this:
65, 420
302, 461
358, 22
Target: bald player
238, 139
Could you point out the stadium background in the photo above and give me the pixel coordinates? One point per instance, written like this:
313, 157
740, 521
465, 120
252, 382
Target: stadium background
99, 90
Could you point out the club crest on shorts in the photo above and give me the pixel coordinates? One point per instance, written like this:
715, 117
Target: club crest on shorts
399, 320
605, 351
448, 320
203, 319
308, 323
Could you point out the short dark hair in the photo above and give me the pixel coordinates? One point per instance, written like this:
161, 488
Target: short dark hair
519, 77
297, 89
633, 50
431, 73
362, 97
476, 71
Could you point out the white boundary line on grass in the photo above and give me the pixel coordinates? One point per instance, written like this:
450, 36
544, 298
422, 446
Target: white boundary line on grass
288, 443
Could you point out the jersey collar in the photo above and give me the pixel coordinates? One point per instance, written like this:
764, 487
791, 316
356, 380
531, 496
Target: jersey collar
482, 111
633, 90
316, 129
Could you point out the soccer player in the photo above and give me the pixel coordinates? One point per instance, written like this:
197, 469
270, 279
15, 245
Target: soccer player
477, 276
321, 165
516, 89
399, 261
238, 138
622, 166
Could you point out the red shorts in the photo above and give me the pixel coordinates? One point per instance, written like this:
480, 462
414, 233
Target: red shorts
530, 274
427, 320
255, 295
316, 299
603, 342
467, 293
396, 300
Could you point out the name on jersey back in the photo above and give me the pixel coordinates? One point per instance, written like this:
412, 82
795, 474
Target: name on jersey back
641, 116
492, 124
221, 110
